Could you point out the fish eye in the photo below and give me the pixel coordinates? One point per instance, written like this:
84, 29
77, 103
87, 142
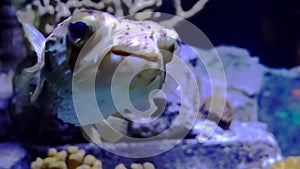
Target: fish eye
83, 24
78, 29
78, 33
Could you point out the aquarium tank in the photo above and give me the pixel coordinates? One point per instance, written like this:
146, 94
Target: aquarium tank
149, 84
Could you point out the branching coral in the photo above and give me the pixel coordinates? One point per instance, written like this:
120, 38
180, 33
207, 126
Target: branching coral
288, 163
181, 14
73, 158
45, 14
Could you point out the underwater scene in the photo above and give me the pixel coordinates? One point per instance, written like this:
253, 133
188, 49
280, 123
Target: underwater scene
149, 84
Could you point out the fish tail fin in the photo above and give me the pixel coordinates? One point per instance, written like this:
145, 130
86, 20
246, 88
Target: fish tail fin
112, 130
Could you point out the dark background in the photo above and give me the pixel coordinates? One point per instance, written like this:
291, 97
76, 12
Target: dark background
269, 29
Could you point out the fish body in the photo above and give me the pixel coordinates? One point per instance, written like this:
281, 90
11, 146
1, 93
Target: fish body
93, 42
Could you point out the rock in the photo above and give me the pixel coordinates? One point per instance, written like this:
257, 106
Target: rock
40, 121
217, 108
5, 126
12, 44
6, 89
182, 93
13, 156
279, 107
225, 69
12, 50
246, 146
243, 78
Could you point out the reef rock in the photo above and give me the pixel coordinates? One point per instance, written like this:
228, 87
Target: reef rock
13, 156
279, 107
243, 75
246, 146
12, 50
6, 90
5, 126
223, 70
254, 91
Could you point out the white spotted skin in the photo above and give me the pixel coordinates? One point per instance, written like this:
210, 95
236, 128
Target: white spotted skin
138, 44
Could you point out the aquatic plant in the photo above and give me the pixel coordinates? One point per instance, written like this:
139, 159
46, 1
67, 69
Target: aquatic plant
292, 162
73, 158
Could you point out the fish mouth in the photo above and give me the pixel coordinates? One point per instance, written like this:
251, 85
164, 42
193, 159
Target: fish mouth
120, 52
133, 60
147, 56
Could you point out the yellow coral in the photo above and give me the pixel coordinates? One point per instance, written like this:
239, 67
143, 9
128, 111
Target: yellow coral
287, 163
146, 165
73, 158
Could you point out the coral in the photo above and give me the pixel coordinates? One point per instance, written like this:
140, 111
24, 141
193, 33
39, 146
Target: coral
181, 14
292, 162
146, 165
44, 14
218, 109
73, 158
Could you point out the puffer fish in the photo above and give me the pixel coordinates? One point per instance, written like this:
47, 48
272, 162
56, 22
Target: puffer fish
90, 43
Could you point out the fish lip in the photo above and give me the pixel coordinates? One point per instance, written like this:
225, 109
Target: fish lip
125, 53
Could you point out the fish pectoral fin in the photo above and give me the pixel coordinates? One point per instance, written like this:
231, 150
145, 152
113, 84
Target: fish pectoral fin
36, 39
90, 133
112, 129
37, 90
33, 74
